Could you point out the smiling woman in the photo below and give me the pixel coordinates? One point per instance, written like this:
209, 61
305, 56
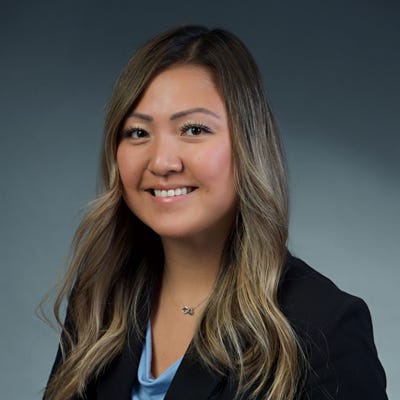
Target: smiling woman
175, 157
180, 284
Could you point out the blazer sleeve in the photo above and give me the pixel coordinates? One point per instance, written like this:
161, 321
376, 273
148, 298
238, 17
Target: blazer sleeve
344, 364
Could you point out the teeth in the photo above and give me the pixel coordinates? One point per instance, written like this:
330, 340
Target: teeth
171, 192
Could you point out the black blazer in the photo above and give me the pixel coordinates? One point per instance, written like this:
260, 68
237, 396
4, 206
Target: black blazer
334, 328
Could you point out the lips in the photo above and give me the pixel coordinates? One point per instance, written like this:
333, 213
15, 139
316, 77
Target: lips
180, 191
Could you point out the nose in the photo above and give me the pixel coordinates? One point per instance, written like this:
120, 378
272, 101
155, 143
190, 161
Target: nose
165, 158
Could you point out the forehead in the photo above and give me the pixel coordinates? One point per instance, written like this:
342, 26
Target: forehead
181, 86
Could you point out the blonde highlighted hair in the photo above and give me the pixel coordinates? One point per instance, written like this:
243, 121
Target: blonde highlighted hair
112, 273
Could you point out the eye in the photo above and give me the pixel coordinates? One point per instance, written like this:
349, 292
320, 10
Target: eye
194, 129
135, 133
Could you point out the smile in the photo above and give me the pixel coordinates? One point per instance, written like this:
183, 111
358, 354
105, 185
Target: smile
171, 192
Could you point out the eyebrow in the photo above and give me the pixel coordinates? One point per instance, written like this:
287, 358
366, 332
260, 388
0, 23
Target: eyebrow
141, 116
177, 115
192, 111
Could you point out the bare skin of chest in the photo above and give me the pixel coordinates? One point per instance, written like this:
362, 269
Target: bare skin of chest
172, 332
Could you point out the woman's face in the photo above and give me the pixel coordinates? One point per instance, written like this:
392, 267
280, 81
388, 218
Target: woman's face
175, 157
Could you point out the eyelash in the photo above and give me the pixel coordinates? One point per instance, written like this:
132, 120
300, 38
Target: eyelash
129, 132
190, 125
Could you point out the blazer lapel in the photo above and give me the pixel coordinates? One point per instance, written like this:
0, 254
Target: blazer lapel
118, 380
192, 381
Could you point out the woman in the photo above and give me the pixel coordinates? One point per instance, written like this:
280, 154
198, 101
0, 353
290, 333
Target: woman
180, 284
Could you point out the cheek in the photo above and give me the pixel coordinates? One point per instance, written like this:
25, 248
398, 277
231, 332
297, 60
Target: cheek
216, 167
127, 167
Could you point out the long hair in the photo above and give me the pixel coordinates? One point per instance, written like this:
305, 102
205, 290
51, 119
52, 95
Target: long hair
242, 333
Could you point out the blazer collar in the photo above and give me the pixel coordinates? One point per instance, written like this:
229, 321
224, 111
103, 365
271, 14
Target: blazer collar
192, 380
119, 378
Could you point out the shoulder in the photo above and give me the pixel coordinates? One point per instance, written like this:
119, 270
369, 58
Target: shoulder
335, 332
307, 296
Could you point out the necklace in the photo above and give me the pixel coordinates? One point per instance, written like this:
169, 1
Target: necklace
187, 310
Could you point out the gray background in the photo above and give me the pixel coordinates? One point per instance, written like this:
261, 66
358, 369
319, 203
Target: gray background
332, 71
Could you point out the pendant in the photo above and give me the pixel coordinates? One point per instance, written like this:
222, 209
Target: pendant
187, 310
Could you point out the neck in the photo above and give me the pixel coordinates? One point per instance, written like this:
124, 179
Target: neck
191, 268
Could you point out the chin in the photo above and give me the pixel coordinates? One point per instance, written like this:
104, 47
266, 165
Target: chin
174, 233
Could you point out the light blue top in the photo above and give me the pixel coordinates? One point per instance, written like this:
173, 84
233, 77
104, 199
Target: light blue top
149, 388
